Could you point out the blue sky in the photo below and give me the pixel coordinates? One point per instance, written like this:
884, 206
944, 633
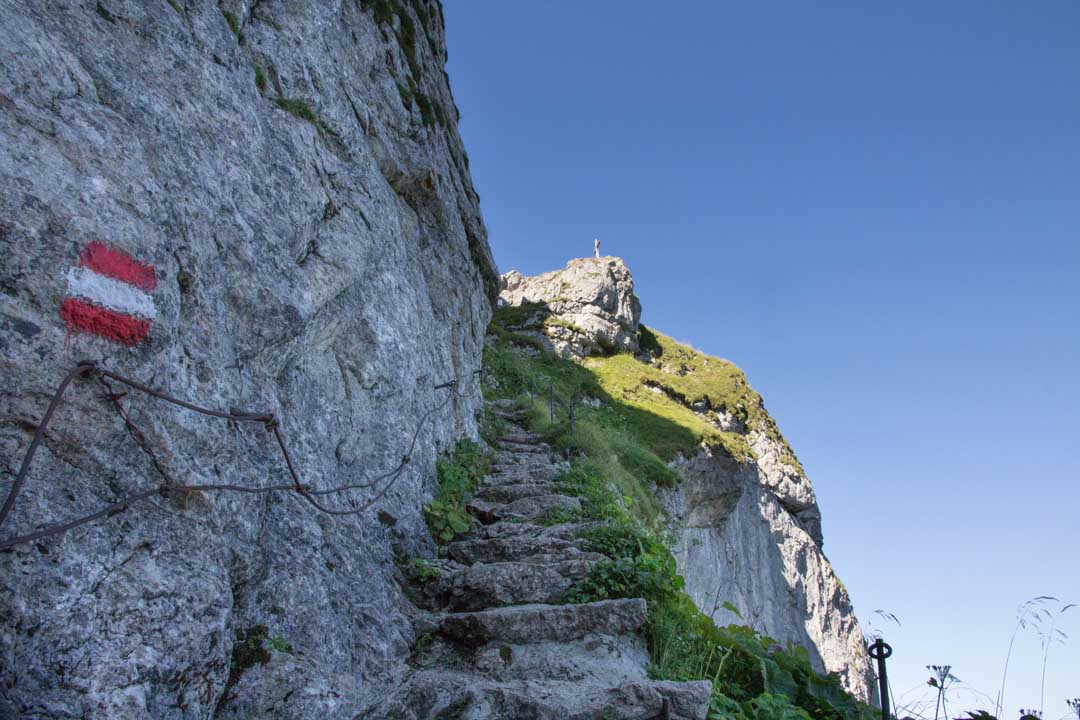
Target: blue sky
875, 212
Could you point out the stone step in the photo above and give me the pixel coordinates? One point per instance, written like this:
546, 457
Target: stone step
529, 508
512, 416
513, 474
594, 658
507, 529
509, 492
521, 438
486, 585
526, 624
435, 694
512, 548
522, 447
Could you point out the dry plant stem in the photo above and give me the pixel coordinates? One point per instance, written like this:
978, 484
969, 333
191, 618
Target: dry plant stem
1046, 654
269, 420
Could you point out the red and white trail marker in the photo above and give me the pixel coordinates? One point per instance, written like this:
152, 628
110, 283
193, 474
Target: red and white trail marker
108, 294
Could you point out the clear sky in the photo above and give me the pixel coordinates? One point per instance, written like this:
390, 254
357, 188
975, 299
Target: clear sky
874, 210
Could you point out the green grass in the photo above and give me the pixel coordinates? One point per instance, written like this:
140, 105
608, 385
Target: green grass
299, 109
233, 23
260, 78
652, 400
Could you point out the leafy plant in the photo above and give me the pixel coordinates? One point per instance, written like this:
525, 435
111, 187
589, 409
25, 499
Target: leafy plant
459, 475
423, 571
279, 644
648, 575
446, 520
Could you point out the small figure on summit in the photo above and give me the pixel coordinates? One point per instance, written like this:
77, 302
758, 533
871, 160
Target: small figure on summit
596, 247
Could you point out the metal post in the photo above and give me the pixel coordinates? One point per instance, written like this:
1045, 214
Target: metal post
551, 403
879, 650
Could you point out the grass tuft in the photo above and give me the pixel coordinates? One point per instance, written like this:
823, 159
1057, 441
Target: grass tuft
298, 109
260, 78
233, 22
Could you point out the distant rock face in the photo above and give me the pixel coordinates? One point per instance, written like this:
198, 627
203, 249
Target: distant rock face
739, 541
588, 308
288, 223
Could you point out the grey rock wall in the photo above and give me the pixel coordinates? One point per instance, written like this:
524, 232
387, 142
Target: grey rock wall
293, 173
739, 542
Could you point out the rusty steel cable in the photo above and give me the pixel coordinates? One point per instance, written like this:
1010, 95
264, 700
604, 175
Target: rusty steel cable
268, 419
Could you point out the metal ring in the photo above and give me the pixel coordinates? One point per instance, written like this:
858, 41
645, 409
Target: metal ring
880, 650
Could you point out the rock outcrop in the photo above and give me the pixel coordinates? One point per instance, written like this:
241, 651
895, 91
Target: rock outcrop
288, 222
588, 308
739, 543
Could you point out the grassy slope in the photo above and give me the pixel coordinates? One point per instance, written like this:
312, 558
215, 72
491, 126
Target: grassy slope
619, 451
654, 399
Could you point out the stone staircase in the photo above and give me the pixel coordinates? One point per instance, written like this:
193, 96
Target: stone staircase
499, 646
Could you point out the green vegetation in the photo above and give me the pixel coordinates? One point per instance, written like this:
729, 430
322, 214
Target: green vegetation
252, 647
260, 78
278, 644
459, 476
653, 400
618, 452
384, 12
234, 24
422, 571
298, 109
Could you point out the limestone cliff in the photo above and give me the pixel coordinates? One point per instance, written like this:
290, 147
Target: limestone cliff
745, 515
248, 205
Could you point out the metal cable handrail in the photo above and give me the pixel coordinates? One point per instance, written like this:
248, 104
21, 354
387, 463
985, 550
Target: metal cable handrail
268, 419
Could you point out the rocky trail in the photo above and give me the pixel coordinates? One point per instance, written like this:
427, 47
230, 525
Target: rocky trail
500, 644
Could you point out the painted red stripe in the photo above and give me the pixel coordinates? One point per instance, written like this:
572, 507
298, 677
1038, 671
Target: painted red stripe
107, 261
115, 326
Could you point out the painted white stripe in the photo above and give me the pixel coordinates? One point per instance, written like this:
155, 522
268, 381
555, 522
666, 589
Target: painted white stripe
109, 293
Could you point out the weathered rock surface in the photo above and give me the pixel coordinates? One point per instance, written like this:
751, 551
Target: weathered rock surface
293, 173
588, 308
500, 646
738, 543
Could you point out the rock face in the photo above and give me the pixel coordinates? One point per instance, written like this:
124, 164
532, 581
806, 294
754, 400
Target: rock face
739, 542
588, 308
292, 175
